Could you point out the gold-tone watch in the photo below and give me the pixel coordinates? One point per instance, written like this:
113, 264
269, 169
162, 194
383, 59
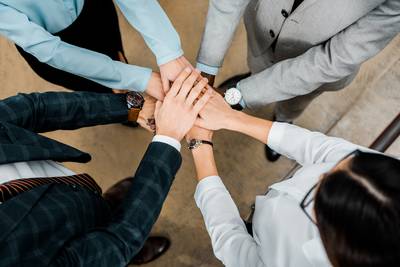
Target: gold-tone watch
134, 102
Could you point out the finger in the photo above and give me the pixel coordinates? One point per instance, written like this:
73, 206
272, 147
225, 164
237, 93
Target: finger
158, 107
188, 85
176, 86
202, 101
165, 84
200, 87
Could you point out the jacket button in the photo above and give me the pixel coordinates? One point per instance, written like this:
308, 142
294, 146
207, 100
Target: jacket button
285, 13
271, 32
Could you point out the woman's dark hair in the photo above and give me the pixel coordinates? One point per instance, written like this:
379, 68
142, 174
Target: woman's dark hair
358, 212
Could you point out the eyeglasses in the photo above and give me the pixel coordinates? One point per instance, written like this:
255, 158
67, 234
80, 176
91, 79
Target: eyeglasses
305, 204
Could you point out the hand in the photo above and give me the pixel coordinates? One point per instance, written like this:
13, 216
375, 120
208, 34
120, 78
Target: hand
154, 87
181, 106
216, 115
170, 71
146, 115
199, 133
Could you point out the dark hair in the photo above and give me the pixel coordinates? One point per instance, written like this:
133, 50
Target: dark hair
358, 212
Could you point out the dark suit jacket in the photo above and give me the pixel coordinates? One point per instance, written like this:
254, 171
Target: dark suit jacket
59, 225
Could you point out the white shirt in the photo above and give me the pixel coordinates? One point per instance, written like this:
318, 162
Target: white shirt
283, 235
49, 168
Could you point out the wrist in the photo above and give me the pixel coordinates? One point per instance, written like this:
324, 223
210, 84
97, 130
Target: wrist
234, 121
170, 134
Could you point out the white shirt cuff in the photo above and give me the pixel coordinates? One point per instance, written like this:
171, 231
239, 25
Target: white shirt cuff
168, 140
207, 69
276, 134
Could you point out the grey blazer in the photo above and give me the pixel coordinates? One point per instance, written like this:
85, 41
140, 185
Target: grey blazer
320, 45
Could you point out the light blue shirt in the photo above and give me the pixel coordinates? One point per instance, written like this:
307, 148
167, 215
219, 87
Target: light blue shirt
30, 24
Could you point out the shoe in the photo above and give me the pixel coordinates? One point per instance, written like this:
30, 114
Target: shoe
271, 154
231, 82
153, 248
116, 193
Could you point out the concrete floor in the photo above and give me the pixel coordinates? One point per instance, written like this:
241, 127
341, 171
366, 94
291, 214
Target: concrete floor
358, 113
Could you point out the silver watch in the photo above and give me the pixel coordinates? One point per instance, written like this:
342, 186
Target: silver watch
233, 96
195, 143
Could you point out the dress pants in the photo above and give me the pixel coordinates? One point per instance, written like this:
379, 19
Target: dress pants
96, 29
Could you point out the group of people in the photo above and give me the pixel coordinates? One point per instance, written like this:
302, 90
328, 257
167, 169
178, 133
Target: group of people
341, 208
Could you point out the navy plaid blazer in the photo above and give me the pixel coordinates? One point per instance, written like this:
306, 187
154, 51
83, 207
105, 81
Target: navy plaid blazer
60, 225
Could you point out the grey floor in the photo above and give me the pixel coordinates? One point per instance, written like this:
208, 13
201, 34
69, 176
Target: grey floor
358, 113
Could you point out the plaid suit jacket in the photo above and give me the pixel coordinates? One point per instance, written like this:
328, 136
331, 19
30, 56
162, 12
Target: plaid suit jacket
60, 225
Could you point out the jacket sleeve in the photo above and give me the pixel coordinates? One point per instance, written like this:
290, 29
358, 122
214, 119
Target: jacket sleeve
329, 62
150, 20
43, 112
222, 20
85, 63
117, 243
307, 147
231, 242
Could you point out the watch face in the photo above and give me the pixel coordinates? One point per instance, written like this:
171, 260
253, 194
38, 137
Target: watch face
233, 96
135, 100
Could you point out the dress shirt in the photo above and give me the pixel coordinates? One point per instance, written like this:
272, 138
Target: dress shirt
283, 235
30, 24
49, 168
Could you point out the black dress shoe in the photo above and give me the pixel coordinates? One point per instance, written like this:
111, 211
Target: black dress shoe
271, 154
153, 248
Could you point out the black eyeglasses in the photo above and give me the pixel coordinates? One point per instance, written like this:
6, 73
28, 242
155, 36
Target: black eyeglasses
309, 198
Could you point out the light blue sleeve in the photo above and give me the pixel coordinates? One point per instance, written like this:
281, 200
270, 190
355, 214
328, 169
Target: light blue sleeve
150, 20
207, 69
51, 50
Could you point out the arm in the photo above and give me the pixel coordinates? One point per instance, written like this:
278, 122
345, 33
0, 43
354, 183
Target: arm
150, 20
296, 143
119, 242
51, 50
230, 240
43, 112
222, 20
337, 58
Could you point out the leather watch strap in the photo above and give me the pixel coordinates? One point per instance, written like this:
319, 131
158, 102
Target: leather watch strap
133, 114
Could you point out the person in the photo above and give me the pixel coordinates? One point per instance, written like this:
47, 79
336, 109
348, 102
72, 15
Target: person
341, 208
77, 43
296, 49
54, 217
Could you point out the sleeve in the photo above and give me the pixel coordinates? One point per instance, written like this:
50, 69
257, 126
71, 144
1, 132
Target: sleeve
150, 20
230, 241
308, 147
167, 140
44, 112
329, 62
117, 243
222, 20
85, 63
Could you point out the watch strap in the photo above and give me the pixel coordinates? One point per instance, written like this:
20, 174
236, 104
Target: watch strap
195, 143
133, 114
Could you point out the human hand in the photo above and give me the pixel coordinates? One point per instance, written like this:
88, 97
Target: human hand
217, 114
181, 106
146, 115
154, 87
170, 71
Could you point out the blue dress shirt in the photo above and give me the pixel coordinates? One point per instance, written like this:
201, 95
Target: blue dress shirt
30, 24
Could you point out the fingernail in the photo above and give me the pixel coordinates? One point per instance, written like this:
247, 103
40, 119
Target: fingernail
187, 69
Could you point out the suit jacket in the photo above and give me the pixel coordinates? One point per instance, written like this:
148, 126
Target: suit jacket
320, 45
60, 225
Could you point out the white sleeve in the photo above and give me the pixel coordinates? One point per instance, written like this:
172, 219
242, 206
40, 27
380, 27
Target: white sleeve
230, 240
308, 147
167, 140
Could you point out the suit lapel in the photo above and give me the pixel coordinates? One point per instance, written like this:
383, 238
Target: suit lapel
303, 6
15, 209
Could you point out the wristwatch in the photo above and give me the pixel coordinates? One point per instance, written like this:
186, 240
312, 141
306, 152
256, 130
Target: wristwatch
195, 143
134, 102
233, 97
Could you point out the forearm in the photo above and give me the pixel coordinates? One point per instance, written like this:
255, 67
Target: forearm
43, 112
204, 161
249, 125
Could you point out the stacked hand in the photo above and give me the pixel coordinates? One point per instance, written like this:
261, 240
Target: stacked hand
182, 104
170, 71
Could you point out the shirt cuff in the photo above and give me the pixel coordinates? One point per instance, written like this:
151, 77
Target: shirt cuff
242, 103
168, 140
206, 184
166, 59
276, 134
207, 69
